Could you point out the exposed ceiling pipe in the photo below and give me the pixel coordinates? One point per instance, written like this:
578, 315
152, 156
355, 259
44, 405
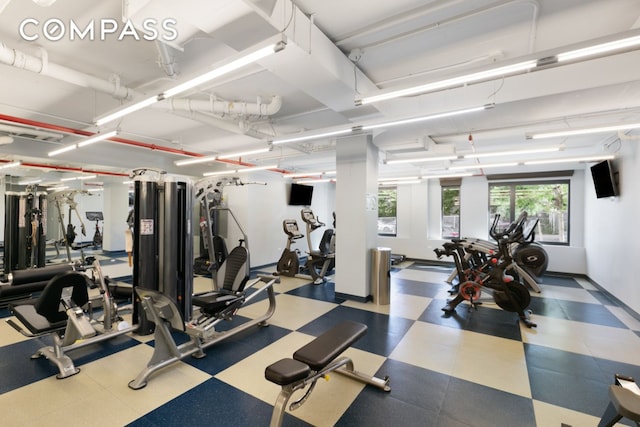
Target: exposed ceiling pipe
42, 66
241, 129
225, 107
66, 168
167, 61
21, 60
18, 130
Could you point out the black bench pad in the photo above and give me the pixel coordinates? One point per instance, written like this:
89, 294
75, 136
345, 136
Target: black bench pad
322, 350
286, 371
36, 323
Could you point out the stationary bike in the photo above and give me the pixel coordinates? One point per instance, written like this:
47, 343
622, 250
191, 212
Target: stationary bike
508, 292
289, 262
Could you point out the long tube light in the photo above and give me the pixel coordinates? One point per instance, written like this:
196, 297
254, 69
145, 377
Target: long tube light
98, 137
219, 157
599, 49
511, 152
450, 175
365, 127
62, 150
249, 169
10, 165
253, 55
483, 166
586, 159
584, 131
453, 82
316, 181
421, 159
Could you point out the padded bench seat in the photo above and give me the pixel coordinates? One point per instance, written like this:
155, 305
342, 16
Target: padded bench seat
286, 371
322, 350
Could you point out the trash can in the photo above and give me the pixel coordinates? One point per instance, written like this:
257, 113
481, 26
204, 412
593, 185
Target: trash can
381, 275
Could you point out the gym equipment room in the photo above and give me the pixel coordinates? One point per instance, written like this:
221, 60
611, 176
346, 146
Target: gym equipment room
319, 213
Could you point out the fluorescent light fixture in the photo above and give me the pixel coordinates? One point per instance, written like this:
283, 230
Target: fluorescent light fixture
257, 168
599, 49
245, 59
301, 174
29, 182
127, 182
10, 165
94, 190
97, 137
450, 175
510, 153
484, 166
366, 127
62, 150
70, 178
428, 117
219, 172
312, 136
127, 110
64, 187
413, 181
571, 160
193, 161
450, 83
399, 178
244, 153
255, 54
87, 177
421, 159
249, 169
316, 181
584, 131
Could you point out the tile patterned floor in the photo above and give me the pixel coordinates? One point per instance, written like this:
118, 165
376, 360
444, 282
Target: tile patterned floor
473, 368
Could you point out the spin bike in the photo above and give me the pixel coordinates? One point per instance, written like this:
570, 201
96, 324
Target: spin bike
508, 293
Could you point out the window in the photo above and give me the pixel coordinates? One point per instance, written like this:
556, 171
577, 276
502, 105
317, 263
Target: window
387, 204
450, 211
547, 201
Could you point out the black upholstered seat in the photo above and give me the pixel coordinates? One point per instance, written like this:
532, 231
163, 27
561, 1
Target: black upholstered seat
46, 313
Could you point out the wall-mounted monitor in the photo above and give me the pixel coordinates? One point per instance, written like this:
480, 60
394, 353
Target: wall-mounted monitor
300, 195
604, 180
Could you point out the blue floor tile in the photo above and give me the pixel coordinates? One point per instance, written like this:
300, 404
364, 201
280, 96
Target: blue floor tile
590, 313
322, 292
414, 287
384, 333
569, 282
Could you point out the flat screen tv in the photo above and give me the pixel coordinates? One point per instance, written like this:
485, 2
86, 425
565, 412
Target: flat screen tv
300, 195
603, 179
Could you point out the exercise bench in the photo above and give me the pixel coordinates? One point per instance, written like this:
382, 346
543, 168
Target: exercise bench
314, 361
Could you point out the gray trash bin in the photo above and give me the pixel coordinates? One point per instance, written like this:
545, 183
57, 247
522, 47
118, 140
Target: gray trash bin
381, 275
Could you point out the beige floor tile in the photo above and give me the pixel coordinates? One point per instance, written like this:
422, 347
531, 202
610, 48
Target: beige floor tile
585, 284
291, 312
492, 361
8, 335
551, 415
555, 333
421, 275
568, 294
329, 399
429, 346
622, 315
115, 371
402, 305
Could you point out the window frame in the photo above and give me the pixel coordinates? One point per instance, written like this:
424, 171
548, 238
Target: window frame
443, 188
395, 232
513, 183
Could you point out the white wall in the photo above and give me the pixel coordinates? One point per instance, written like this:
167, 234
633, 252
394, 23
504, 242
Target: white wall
261, 210
611, 230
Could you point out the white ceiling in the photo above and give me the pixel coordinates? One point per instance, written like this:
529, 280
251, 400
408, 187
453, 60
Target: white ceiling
336, 51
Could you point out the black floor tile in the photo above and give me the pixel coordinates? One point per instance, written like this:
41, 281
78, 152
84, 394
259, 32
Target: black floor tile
484, 320
213, 403
569, 282
383, 334
322, 292
414, 287
590, 313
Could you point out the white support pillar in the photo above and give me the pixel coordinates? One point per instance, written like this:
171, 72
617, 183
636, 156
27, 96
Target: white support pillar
357, 214
116, 210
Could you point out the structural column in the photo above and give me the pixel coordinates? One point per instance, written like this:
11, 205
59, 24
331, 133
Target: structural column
116, 210
356, 213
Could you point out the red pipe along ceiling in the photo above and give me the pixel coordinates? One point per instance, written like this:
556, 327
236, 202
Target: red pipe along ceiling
80, 132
